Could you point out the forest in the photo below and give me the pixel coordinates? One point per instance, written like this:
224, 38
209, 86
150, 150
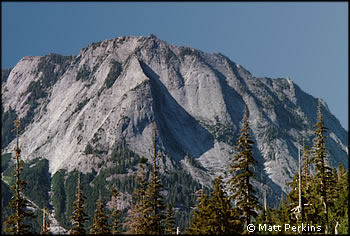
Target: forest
174, 203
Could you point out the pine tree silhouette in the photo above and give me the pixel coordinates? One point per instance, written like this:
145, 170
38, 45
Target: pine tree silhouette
200, 214
15, 223
153, 196
241, 168
100, 224
214, 215
115, 213
170, 221
137, 218
323, 172
79, 216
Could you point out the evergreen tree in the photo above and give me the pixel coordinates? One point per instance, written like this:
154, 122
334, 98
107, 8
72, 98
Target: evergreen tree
333, 197
223, 217
100, 224
339, 213
115, 214
243, 161
309, 200
170, 221
79, 216
270, 216
311, 204
154, 198
215, 215
306, 164
16, 222
200, 215
137, 222
282, 215
308, 208
322, 171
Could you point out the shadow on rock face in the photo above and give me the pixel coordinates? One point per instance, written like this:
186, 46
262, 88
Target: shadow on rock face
180, 132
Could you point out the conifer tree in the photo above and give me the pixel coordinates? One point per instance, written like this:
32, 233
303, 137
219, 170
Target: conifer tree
15, 223
170, 221
243, 161
333, 197
307, 180
310, 191
302, 204
79, 216
339, 213
282, 214
215, 215
154, 198
100, 224
223, 218
200, 214
270, 216
265, 215
137, 219
115, 213
322, 171
310, 213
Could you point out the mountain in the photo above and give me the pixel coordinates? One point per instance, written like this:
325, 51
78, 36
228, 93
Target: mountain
76, 109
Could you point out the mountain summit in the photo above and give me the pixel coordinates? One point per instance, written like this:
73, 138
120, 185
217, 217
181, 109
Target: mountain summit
113, 90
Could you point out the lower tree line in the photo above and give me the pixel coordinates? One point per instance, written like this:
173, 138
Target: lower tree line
314, 205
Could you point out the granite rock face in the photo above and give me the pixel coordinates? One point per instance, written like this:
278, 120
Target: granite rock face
113, 90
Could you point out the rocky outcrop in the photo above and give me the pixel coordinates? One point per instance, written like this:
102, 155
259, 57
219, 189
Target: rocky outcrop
113, 90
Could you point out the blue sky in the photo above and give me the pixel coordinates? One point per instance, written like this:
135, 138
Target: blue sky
307, 42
